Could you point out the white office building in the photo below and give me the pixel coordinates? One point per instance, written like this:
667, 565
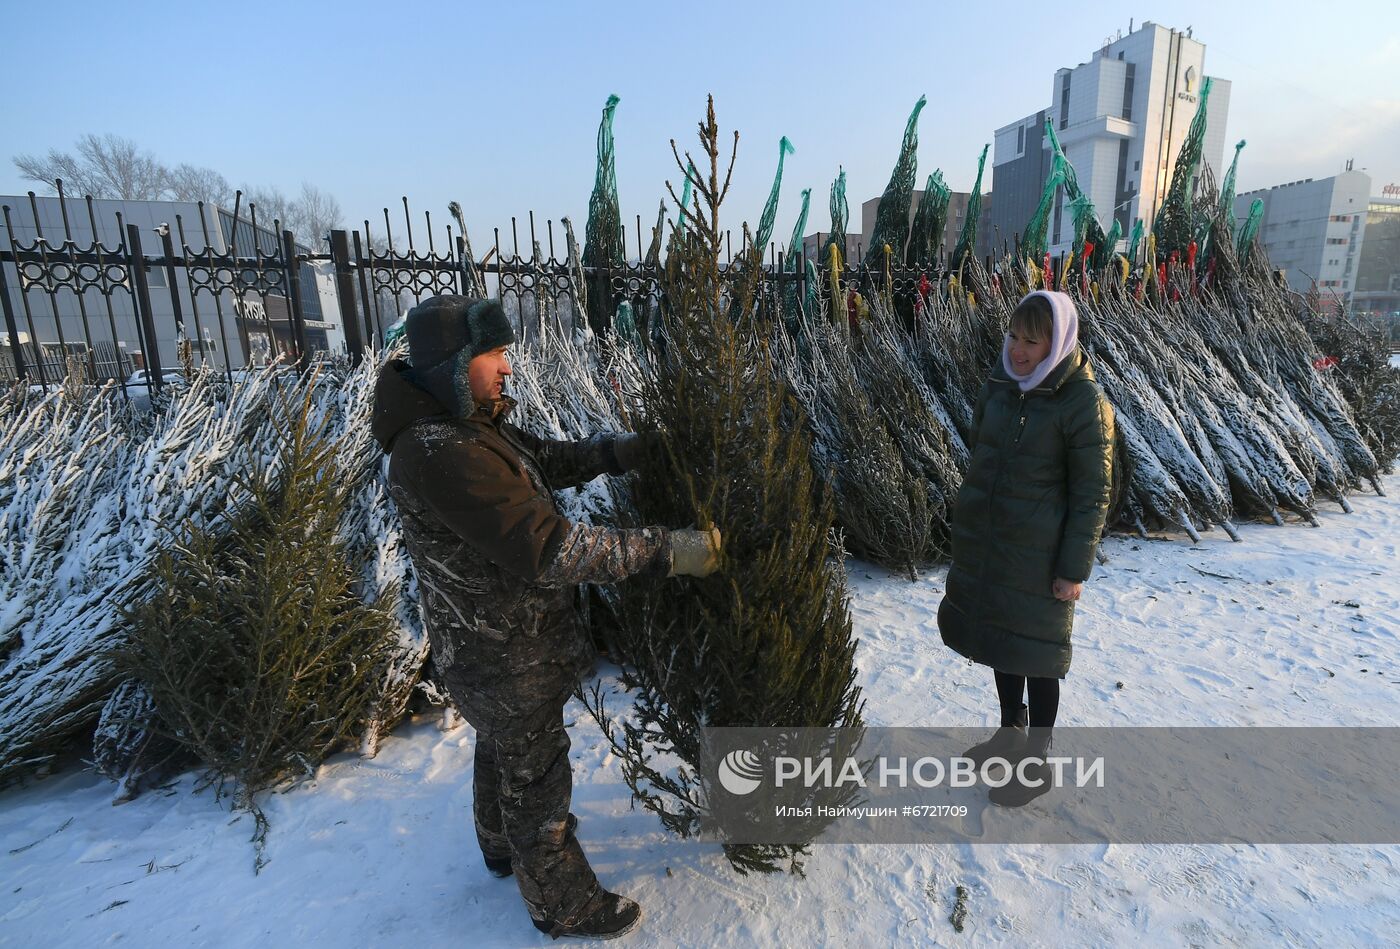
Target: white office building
1121, 119
1314, 230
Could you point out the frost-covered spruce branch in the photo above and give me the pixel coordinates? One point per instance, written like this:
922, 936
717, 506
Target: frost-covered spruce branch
101, 499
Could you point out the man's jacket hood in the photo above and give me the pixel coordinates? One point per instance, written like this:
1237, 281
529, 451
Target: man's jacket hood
399, 403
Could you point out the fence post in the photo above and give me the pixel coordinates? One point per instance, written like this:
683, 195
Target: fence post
21, 374
363, 264
345, 295
293, 271
167, 246
136, 265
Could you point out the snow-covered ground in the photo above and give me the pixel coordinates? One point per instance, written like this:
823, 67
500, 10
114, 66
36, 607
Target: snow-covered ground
1293, 626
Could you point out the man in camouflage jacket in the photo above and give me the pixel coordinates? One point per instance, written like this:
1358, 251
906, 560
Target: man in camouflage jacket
498, 565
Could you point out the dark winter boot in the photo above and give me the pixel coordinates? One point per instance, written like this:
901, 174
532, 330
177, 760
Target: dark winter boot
500, 866
606, 916
1005, 742
1038, 775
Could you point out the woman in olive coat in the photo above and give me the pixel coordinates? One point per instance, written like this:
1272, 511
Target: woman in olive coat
1026, 522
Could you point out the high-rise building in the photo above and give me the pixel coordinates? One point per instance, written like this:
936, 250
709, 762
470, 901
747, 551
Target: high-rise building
1121, 119
1314, 230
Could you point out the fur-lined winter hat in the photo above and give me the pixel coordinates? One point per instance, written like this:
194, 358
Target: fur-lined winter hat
445, 333
444, 325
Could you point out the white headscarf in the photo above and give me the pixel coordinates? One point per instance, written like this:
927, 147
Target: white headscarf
1064, 336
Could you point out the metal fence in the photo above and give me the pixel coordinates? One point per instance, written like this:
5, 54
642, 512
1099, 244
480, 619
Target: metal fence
98, 300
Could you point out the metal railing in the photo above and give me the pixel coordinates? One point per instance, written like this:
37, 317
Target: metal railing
82, 295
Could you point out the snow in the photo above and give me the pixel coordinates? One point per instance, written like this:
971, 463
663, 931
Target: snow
1292, 626
1395, 360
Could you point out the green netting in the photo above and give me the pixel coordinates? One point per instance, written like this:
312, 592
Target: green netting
1033, 242
602, 237
892, 215
1135, 241
1227, 192
625, 323
1110, 243
968, 239
690, 179
1251, 227
840, 211
926, 235
1086, 222
1175, 225
793, 257
770, 209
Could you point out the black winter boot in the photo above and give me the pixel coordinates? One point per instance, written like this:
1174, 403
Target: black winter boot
1005, 742
606, 916
1038, 774
500, 866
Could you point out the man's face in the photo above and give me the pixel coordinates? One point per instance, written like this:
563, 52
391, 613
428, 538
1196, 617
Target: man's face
486, 374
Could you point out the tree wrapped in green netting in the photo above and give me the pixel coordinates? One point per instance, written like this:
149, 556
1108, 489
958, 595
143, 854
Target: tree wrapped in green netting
1227, 198
793, 262
1086, 221
1135, 241
602, 235
767, 640
770, 208
1250, 228
256, 646
892, 215
840, 214
1033, 240
1111, 239
1175, 226
930, 220
967, 240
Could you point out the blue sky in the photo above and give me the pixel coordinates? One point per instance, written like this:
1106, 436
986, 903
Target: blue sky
497, 105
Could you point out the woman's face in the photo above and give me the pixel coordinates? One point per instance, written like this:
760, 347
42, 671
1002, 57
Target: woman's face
1027, 351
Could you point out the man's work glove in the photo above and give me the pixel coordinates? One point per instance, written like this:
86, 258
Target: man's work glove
632, 448
694, 553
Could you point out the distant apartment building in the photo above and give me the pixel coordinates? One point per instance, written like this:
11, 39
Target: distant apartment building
1121, 119
102, 329
1313, 230
952, 230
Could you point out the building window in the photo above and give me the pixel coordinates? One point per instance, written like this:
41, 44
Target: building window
1128, 90
1020, 139
1137, 166
1064, 101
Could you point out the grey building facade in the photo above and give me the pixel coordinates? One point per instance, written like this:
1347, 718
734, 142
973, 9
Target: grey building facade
1314, 230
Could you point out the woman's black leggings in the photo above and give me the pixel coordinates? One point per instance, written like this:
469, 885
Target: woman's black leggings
1043, 697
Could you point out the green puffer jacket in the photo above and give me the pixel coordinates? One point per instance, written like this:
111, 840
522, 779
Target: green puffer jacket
1031, 509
